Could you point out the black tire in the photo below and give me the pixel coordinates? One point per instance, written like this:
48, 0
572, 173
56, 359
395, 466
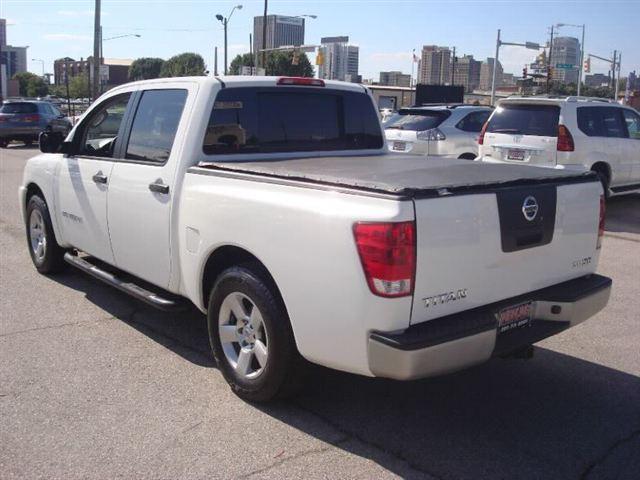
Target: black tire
467, 156
52, 261
4, 142
281, 374
28, 142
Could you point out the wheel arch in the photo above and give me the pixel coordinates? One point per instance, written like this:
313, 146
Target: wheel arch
226, 256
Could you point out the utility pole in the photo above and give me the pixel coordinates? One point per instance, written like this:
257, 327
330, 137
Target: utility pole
96, 50
264, 37
617, 66
66, 82
549, 62
453, 65
613, 69
251, 65
215, 61
581, 62
226, 21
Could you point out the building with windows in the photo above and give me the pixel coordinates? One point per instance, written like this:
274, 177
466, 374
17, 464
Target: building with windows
435, 65
281, 30
395, 79
597, 80
466, 72
113, 71
565, 51
486, 74
12, 60
340, 60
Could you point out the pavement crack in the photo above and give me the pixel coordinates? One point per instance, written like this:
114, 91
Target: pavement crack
600, 460
49, 327
352, 435
296, 456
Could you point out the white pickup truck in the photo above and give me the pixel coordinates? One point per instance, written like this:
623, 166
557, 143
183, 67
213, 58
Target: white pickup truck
273, 205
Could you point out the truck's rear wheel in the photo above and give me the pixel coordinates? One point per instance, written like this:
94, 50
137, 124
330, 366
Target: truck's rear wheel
250, 335
46, 254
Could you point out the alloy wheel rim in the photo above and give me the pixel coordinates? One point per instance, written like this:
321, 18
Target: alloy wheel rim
37, 235
243, 335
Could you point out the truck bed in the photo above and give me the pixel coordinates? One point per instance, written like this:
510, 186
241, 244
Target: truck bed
402, 175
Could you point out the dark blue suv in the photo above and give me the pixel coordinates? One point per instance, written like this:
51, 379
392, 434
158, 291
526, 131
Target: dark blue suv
24, 120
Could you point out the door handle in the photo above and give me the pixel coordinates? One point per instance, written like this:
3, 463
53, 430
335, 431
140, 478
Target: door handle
159, 187
100, 178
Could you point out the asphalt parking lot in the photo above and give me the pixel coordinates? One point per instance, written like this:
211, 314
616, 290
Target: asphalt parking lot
96, 385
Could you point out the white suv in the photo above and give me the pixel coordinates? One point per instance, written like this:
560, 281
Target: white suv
437, 130
567, 133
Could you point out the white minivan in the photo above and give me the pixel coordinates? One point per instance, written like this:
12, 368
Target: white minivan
566, 133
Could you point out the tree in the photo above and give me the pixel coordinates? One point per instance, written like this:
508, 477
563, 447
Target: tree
278, 64
145, 68
240, 61
281, 63
183, 65
23, 82
78, 87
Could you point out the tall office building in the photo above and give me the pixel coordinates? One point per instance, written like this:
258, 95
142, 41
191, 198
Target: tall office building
565, 51
281, 30
486, 74
466, 72
341, 60
395, 79
435, 65
3, 33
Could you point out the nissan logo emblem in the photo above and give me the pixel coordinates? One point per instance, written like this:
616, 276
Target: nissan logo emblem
530, 208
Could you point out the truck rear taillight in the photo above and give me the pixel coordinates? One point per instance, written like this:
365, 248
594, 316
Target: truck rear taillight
388, 255
601, 222
565, 140
305, 81
481, 137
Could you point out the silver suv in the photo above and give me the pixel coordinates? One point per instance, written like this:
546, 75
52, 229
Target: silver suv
443, 130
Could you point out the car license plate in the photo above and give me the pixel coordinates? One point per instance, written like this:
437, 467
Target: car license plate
400, 146
515, 154
515, 316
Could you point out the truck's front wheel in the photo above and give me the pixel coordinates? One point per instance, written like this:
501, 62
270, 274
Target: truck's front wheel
250, 335
46, 254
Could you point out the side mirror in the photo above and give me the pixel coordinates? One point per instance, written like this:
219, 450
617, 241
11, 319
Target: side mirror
53, 142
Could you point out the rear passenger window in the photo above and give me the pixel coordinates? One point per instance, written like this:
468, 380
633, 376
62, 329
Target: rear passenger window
155, 125
268, 120
473, 122
534, 120
601, 122
633, 123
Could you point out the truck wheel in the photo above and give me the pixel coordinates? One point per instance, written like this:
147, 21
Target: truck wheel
251, 336
46, 254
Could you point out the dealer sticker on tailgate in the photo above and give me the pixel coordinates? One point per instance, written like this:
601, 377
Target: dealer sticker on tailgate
514, 316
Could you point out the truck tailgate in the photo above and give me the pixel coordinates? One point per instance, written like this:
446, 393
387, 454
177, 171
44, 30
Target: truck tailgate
480, 248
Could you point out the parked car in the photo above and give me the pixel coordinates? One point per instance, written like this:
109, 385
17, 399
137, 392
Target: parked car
437, 130
273, 205
24, 120
572, 133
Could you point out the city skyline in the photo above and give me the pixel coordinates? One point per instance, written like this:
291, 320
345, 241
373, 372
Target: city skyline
65, 29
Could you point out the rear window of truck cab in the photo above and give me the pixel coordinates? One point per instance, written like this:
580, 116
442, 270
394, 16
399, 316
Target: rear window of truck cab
518, 119
291, 119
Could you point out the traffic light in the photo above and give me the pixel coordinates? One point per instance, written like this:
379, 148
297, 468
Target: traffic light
524, 72
320, 58
587, 65
296, 58
550, 73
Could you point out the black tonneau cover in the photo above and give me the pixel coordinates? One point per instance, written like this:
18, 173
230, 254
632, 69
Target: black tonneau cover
405, 175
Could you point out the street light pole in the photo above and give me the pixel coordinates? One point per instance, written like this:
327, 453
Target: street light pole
616, 66
581, 67
495, 67
41, 63
225, 22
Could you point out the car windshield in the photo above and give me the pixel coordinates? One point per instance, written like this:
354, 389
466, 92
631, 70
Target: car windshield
535, 120
22, 107
416, 120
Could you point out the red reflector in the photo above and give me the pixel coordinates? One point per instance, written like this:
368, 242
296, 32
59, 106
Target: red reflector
31, 118
565, 140
481, 137
601, 222
309, 82
387, 252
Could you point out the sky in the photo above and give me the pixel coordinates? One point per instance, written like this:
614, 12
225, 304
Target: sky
385, 30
